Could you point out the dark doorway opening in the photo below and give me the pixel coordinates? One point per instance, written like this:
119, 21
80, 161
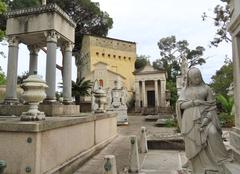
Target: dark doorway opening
151, 98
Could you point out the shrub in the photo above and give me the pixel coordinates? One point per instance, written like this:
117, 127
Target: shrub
226, 120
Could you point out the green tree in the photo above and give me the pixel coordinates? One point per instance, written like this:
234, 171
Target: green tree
141, 61
3, 79
227, 103
221, 19
81, 88
226, 109
223, 78
171, 54
3, 9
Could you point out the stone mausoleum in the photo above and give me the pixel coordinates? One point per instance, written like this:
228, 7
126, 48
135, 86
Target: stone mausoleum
107, 60
150, 90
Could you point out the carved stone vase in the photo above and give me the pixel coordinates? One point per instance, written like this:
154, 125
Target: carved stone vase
100, 100
34, 93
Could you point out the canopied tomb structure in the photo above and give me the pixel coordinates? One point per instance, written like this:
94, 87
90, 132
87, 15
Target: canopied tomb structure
37, 27
150, 89
234, 29
57, 144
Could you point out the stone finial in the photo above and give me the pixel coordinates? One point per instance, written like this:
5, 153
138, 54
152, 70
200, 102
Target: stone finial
110, 165
44, 2
134, 165
143, 141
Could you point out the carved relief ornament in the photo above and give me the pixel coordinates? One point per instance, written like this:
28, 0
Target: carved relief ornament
52, 36
13, 41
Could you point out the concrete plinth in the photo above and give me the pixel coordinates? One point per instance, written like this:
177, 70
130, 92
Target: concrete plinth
134, 165
50, 110
110, 166
235, 142
143, 140
57, 145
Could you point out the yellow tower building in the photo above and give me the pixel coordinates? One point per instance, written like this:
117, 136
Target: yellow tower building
108, 60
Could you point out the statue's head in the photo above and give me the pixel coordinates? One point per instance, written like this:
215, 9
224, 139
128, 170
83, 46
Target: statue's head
194, 77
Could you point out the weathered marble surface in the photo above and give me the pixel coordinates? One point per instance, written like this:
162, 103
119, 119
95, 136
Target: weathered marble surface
200, 127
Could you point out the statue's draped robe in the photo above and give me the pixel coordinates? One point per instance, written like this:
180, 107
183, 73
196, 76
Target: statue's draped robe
205, 149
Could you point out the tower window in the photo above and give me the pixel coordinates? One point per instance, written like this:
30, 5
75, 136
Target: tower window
101, 82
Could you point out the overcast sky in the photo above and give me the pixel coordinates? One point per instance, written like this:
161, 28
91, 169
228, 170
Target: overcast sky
146, 22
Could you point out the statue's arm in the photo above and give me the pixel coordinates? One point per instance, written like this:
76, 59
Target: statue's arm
187, 104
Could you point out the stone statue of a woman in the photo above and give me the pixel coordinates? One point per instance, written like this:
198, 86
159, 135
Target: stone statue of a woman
199, 124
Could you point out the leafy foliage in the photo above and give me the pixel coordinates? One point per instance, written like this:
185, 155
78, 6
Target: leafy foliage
171, 54
3, 79
172, 51
221, 19
170, 122
223, 78
141, 61
171, 86
227, 103
81, 88
3, 8
226, 120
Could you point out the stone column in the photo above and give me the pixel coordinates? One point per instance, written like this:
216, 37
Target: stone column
163, 93
156, 94
144, 94
137, 96
11, 94
33, 62
234, 29
236, 72
67, 73
51, 66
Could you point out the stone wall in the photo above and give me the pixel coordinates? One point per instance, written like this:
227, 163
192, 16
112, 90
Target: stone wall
57, 145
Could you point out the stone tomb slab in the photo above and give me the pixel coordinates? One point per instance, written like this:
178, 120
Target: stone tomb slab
160, 161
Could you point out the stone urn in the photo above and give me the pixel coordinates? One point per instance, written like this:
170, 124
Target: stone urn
34, 93
100, 100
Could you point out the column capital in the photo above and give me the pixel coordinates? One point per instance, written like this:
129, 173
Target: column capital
13, 41
52, 36
68, 46
34, 49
